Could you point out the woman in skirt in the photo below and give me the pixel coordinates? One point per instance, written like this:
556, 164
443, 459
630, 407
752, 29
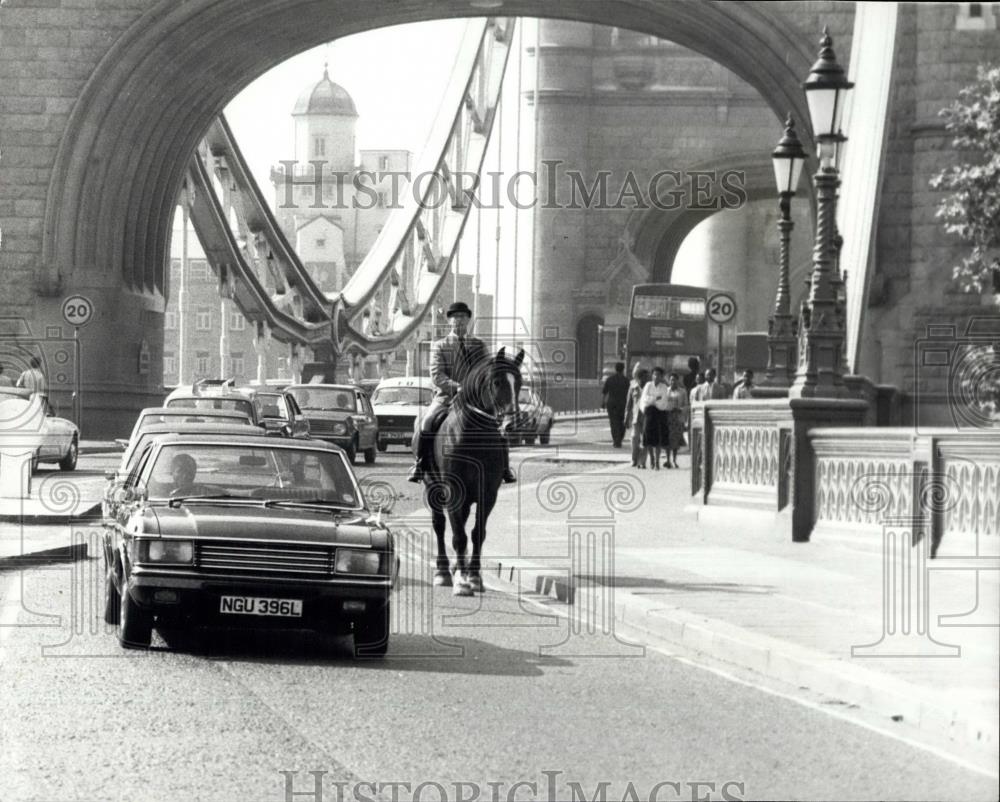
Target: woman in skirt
675, 419
654, 404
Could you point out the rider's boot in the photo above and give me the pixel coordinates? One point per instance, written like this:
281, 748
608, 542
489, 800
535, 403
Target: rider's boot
416, 473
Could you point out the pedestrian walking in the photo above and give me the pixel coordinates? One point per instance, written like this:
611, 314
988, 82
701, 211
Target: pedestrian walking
634, 416
744, 387
34, 380
691, 378
5, 380
614, 398
654, 407
675, 420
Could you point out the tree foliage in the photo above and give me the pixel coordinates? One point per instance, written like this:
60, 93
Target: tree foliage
972, 209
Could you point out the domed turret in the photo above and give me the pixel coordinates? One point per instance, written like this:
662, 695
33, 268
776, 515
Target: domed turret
326, 97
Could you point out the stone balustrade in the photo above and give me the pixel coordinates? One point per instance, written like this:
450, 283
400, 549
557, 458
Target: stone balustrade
948, 477
808, 466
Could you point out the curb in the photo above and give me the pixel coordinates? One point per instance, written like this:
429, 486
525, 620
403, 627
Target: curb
92, 513
769, 657
35, 559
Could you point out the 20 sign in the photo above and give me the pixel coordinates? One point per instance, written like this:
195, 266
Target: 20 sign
77, 310
721, 308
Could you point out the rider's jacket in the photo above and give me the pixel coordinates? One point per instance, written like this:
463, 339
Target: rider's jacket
450, 364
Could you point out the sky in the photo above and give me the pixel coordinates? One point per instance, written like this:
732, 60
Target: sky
396, 77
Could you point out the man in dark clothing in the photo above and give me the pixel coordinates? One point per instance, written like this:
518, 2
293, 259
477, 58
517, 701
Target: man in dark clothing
690, 381
615, 392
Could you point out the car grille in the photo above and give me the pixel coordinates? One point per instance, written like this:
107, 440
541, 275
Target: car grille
265, 560
395, 421
322, 426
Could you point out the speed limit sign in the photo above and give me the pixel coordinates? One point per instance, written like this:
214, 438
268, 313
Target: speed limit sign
721, 308
77, 310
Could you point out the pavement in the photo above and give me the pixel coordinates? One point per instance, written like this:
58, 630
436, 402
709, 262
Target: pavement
802, 614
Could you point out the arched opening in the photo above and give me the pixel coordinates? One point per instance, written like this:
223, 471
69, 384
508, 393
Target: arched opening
122, 159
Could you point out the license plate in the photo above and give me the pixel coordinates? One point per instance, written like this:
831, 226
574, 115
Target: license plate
399, 436
254, 605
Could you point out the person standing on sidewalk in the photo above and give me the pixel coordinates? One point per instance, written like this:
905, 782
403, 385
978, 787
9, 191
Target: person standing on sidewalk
744, 387
691, 377
615, 395
711, 390
633, 414
676, 419
654, 405
34, 380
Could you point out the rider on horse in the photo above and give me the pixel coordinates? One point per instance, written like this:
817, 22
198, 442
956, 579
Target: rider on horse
452, 358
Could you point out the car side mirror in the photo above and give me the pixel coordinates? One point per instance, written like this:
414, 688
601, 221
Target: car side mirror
111, 475
121, 442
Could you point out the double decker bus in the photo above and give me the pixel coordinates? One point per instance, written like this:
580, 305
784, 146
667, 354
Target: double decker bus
668, 324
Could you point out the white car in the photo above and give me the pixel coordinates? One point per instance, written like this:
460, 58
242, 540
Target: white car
398, 403
54, 439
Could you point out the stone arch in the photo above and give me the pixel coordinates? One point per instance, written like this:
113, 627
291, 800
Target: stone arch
121, 162
656, 235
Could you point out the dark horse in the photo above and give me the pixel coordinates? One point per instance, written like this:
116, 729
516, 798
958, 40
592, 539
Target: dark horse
467, 466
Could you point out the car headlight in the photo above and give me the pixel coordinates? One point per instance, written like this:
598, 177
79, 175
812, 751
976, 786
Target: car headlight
357, 561
340, 428
166, 551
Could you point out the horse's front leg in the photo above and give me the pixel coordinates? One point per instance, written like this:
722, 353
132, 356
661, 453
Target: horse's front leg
457, 517
442, 576
483, 509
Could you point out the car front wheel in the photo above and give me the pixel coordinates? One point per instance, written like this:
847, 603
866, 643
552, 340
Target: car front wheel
370, 455
68, 462
383, 445
135, 625
543, 438
371, 634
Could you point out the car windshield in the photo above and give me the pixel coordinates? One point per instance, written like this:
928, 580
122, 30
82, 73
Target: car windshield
252, 471
324, 398
410, 396
235, 404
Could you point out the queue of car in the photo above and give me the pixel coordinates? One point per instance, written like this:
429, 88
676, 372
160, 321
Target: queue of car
212, 520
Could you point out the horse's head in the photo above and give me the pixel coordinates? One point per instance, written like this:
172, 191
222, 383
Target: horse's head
497, 384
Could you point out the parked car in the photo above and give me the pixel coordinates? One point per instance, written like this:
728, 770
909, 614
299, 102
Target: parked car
53, 439
341, 414
534, 419
398, 403
249, 531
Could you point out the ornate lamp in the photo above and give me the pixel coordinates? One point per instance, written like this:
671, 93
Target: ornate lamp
823, 319
782, 343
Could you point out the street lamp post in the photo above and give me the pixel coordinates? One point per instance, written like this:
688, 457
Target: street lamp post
823, 319
782, 340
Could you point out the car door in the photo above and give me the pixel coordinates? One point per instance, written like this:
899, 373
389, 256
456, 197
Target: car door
299, 422
366, 422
